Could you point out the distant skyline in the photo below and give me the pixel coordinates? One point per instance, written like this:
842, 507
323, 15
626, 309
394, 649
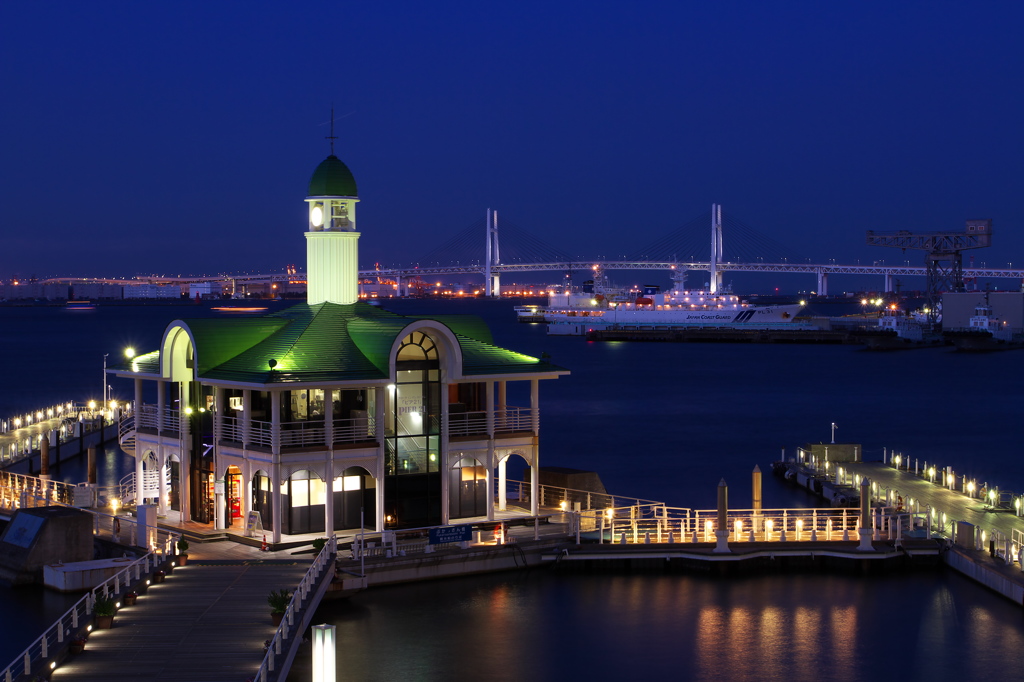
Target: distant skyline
179, 138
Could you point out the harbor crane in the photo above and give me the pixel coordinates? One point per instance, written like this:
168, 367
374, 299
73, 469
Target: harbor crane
943, 261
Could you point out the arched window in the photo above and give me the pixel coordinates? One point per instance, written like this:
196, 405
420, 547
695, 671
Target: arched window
417, 346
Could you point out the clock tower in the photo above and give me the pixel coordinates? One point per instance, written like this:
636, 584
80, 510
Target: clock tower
332, 253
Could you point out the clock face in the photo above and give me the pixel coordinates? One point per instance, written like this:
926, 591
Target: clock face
316, 216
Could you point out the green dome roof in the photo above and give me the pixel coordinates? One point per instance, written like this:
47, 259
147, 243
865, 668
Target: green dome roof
332, 178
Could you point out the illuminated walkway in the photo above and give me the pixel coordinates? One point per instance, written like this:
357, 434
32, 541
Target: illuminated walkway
205, 622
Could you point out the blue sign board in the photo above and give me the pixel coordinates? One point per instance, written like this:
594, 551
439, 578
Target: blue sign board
443, 534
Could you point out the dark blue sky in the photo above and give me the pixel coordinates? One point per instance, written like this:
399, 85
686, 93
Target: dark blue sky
179, 137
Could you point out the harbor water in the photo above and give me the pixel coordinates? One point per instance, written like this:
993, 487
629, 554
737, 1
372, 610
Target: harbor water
658, 421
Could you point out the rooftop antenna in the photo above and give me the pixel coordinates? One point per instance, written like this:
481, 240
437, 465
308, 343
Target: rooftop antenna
332, 137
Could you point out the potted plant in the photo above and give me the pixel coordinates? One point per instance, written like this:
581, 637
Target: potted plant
104, 609
158, 576
77, 644
278, 601
183, 551
318, 544
130, 598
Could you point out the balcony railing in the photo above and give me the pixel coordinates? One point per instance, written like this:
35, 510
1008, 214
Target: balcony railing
147, 417
300, 434
475, 423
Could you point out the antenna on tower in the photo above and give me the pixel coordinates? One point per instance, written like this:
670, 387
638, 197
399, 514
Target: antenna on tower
332, 137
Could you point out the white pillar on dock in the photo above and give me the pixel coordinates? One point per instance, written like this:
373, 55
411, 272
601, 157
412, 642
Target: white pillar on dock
865, 521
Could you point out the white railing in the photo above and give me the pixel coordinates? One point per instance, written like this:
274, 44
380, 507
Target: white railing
146, 416
20, 490
641, 524
566, 498
324, 561
475, 423
355, 430
76, 620
302, 433
514, 419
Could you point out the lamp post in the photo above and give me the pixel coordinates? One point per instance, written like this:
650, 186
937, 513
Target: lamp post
105, 378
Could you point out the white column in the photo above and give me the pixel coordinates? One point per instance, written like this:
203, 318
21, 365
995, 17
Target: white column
502, 484
490, 479
534, 482
138, 403
275, 431
275, 496
443, 463
490, 408
246, 417
161, 404
535, 406
380, 495
329, 418
163, 464
139, 457
329, 499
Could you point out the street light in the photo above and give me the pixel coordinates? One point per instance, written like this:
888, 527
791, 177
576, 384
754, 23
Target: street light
105, 378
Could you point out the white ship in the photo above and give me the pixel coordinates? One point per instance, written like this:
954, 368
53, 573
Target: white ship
576, 314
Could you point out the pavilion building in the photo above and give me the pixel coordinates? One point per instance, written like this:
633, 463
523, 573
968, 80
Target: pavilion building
331, 414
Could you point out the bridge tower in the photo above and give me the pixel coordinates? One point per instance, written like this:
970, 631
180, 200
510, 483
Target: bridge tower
716, 248
492, 280
943, 260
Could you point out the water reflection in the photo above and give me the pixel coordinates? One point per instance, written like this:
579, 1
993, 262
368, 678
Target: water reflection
544, 626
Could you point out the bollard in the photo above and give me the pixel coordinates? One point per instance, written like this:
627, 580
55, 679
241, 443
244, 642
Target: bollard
722, 533
647, 538
671, 539
622, 538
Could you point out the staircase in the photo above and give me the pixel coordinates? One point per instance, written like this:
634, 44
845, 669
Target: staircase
126, 434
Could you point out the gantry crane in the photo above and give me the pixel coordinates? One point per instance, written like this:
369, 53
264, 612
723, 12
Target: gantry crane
943, 261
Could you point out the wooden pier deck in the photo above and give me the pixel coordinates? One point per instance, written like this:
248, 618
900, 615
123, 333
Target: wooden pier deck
207, 622
955, 505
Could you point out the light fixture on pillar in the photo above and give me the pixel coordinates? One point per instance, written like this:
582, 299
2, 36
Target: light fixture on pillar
323, 653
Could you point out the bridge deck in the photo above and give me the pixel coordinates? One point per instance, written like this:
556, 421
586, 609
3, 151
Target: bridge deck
207, 621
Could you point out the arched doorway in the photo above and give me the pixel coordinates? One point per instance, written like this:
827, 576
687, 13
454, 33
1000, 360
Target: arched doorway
355, 498
303, 497
513, 478
261, 498
467, 489
233, 497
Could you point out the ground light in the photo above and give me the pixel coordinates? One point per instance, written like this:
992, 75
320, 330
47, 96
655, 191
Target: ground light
324, 653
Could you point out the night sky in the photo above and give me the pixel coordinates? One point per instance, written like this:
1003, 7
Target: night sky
180, 137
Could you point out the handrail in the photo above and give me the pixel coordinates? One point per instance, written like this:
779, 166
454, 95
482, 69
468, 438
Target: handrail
18, 490
284, 631
555, 496
70, 623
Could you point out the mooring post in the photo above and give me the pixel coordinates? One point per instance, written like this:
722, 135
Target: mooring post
722, 532
755, 479
44, 457
865, 517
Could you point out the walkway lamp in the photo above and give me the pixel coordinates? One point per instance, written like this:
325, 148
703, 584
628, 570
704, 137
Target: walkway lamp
324, 653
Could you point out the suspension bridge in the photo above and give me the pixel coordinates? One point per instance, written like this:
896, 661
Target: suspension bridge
688, 248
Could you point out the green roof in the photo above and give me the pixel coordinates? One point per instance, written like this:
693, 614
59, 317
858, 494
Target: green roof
331, 343
332, 178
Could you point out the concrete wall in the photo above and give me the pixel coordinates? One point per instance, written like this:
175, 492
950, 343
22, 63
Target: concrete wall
40, 536
958, 308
